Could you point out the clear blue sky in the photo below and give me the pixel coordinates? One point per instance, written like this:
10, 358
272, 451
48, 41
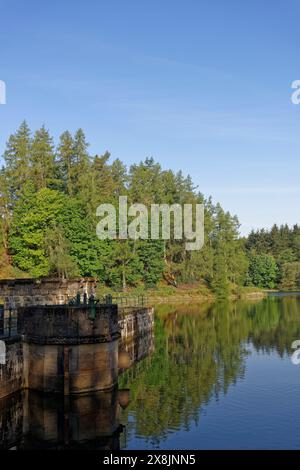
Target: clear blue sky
202, 86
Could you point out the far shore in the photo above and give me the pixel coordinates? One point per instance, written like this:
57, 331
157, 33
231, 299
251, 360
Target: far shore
196, 295
194, 298
186, 293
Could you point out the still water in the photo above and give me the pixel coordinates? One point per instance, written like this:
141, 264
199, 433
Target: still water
211, 377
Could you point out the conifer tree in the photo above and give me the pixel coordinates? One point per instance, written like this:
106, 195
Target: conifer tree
43, 168
66, 162
17, 162
120, 178
81, 164
5, 213
220, 282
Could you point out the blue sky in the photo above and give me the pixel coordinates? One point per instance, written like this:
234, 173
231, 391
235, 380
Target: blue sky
203, 86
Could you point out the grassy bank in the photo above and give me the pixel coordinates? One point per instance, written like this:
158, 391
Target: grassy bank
187, 293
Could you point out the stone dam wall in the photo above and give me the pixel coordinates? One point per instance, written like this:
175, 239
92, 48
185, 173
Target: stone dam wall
135, 321
12, 372
70, 349
16, 293
137, 333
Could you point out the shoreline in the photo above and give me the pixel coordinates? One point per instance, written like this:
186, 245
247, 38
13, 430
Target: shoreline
200, 298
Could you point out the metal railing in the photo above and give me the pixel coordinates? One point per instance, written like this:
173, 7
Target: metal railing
126, 300
8, 320
121, 300
8, 324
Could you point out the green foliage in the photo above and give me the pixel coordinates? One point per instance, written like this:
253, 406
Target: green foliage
66, 162
290, 276
282, 243
35, 214
220, 284
56, 247
150, 253
17, 161
43, 168
48, 200
263, 271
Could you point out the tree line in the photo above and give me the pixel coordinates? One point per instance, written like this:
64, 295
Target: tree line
48, 198
274, 257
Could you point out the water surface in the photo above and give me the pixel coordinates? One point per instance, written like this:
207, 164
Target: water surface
221, 377
215, 377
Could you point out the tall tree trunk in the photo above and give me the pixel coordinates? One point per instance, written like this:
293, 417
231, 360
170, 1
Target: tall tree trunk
124, 278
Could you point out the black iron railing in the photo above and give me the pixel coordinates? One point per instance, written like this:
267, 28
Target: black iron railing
129, 301
121, 300
8, 320
8, 324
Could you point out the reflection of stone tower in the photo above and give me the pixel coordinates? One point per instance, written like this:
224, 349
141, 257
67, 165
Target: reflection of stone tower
34, 420
81, 421
11, 420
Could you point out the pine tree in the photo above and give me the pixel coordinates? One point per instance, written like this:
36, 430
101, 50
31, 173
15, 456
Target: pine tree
17, 162
66, 162
120, 178
220, 284
145, 182
43, 167
81, 164
102, 180
5, 213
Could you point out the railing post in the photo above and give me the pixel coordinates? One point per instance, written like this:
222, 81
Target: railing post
1, 320
9, 323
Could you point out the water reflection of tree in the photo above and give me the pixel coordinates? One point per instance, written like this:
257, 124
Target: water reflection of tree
275, 324
199, 353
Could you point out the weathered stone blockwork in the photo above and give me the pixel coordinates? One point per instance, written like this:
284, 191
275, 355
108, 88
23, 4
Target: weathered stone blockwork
64, 324
24, 292
71, 350
137, 338
12, 372
135, 321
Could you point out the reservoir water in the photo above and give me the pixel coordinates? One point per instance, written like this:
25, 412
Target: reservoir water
216, 376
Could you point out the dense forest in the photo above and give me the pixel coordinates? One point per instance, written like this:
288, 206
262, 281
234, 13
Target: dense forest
274, 257
48, 199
